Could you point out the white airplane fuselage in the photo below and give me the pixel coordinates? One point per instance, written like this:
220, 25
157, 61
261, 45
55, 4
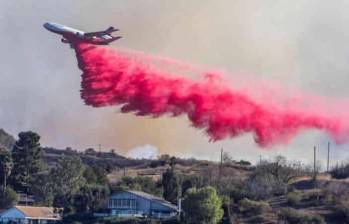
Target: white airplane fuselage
61, 29
69, 34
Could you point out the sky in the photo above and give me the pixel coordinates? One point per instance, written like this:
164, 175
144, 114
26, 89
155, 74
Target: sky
299, 45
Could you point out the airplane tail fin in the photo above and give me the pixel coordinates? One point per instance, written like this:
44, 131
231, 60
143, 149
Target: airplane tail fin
111, 29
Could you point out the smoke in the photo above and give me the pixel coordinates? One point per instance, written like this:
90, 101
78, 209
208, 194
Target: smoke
143, 152
112, 78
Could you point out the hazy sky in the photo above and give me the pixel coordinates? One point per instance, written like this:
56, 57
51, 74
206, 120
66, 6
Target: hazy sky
302, 44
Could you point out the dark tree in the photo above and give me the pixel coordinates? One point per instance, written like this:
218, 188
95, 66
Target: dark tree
90, 151
5, 167
171, 185
7, 198
173, 162
89, 175
27, 159
90, 198
187, 184
96, 175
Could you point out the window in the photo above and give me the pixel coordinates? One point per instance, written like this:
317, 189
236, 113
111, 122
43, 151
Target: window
133, 203
123, 203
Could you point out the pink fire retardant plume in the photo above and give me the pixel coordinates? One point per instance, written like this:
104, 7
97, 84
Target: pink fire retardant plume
111, 78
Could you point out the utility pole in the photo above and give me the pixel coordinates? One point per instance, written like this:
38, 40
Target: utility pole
314, 177
220, 169
100, 148
221, 157
328, 157
260, 159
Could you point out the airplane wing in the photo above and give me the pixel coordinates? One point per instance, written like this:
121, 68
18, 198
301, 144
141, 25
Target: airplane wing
100, 33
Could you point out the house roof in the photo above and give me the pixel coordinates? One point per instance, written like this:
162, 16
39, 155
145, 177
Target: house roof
39, 212
153, 198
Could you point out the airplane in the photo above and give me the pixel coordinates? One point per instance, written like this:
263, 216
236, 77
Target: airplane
70, 34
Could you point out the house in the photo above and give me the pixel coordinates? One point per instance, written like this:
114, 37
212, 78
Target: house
129, 203
25, 199
29, 215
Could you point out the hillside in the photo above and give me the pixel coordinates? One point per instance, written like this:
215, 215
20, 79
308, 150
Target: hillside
274, 190
6, 140
109, 160
185, 167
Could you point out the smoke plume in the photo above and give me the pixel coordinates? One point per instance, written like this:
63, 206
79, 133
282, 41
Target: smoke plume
112, 78
143, 152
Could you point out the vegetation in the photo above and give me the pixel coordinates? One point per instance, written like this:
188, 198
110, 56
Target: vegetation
68, 179
202, 206
228, 192
90, 197
42, 188
7, 141
27, 160
171, 185
251, 207
340, 171
88, 218
8, 197
292, 216
145, 184
294, 198
5, 166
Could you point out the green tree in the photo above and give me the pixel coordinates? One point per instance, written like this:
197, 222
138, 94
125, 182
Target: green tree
90, 175
202, 206
5, 166
42, 188
67, 179
8, 197
90, 198
171, 185
27, 159
96, 175
101, 175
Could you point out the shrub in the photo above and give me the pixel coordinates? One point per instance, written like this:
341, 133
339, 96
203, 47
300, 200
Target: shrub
294, 198
238, 193
253, 207
154, 164
292, 216
258, 219
341, 213
261, 185
340, 171
244, 163
202, 206
328, 198
7, 198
